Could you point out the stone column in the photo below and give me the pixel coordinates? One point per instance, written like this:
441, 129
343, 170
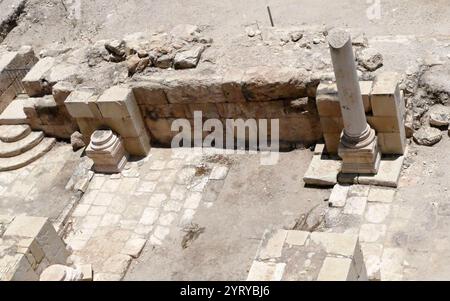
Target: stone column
358, 147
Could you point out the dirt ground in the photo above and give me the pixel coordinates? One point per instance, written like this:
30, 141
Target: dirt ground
48, 21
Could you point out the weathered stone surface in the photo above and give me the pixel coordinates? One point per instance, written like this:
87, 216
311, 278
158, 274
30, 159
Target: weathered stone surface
13, 133
266, 271
338, 196
16, 148
77, 142
427, 136
189, 58
34, 82
322, 172
388, 174
372, 232
370, 59
439, 115
337, 269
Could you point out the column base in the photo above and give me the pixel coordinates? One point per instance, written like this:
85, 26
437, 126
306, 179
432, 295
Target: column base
365, 160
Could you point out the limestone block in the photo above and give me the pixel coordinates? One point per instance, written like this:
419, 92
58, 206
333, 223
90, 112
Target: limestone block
118, 102
16, 268
177, 110
384, 124
88, 126
273, 246
138, 146
194, 88
44, 234
337, 269
7, 97
147, 92
333, 125
322, 172
266, 271
388, 174
338, 196
82, 104
61, 91
392, 143
160, 130
310, 125
232, 85
297, 238
126, 127
209, 110
34, 82
332, 141
10, 61
386, 99
266, 84
366, 90
327, 100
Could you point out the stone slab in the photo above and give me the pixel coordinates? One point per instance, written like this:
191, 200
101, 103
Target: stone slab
322, 171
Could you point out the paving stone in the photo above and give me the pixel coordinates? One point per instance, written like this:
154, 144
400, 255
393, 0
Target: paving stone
372, 258
337, 269
149, 216
166, 219
187, 217
103, 199
266, 271
185, 175
91, 222
161, 232
173, 206
97, 210
388, 174
110, 186
146, 187
128, 224
198, 184
297, 238
118, 205
157, 165
273, 247
336, 243
359, 191
381, 195
219, 173
377, 213
322, 172
372, 232
392, 264
143, 229
133, 212
157, 199
338, 196
81, 210
193, 200
128, 185
355, 205
110, 219
152, 175
178, 193
133, 247
117, 264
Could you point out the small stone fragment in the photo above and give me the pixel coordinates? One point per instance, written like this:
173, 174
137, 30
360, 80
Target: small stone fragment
188, 59
370, 59
296, 36
76, 139
427, 136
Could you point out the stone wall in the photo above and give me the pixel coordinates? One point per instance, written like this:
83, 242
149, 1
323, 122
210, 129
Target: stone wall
28, 245
258, 93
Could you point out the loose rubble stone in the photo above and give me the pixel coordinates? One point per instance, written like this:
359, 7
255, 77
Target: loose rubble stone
296, 36
439, 115
427, 136
370, 59
76, 139
188, 59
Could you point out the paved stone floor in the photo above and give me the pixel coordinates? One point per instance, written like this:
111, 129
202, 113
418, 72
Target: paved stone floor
119, 214
39, 188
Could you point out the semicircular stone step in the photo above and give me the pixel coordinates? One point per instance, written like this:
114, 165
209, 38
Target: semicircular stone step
13, 133
27, 157
16, 148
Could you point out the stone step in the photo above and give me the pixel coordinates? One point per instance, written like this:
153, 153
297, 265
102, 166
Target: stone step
13, 133
27, 157
14, 113
11, 149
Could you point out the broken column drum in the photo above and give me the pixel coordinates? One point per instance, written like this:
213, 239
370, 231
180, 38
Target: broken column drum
107, 151
358, 146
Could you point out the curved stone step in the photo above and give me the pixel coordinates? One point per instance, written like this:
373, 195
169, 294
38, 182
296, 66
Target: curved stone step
27, 157
16, 148
13, 133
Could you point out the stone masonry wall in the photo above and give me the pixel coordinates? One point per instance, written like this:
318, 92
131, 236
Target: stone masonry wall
257, 93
